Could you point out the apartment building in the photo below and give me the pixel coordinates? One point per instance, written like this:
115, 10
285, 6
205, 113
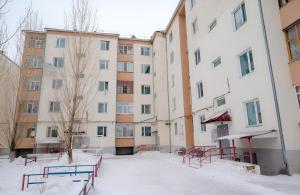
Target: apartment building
9, 83
216, 75
235, 48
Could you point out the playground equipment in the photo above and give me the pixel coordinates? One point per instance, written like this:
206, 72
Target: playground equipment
91, 174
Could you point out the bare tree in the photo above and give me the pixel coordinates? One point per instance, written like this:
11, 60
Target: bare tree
78, 73
10, 102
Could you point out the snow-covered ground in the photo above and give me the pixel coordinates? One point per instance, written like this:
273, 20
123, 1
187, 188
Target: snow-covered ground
150, 173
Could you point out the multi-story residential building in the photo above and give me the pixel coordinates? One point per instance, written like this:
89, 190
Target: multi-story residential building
239, 82
9, 83
215, 76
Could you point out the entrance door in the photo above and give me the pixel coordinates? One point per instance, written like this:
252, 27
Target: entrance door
222, 130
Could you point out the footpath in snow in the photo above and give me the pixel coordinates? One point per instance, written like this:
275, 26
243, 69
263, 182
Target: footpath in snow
149, 173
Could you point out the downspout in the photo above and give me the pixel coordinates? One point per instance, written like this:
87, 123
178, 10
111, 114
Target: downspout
169, 114
280, 129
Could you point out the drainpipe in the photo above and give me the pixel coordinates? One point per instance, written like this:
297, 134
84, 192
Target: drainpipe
283, 148
169, 114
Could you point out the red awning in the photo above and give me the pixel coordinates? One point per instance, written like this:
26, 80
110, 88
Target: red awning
224, 116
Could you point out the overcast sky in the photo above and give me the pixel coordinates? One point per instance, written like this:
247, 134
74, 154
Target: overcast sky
139, 17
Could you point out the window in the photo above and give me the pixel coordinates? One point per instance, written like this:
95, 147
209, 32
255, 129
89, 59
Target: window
202, 126
103, 86
253, 113
174, 103
246, 62
217, 62
213, 25
104, 45
145, 51
30, 132
197, 56
146, 131
220, 101
173, 80
195, 26
31, 106
146, 109
170, 37
125, 67
298, 94
200, 89
32, 83
172, 57
37, 41
146, 68
35, 61
193, 3
54, 106
102, 131
124, 130
60, 42
56, 84
102, 107
58, 62
126, 49
146, 90
240, 16
52, 132
175, 128
104, 64
125, 87
293, 38
124, 108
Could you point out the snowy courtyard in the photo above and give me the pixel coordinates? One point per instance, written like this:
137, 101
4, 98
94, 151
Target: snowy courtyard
147, 174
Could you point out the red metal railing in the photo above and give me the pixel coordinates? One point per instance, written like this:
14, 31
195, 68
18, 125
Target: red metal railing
147, 147
222, 152
195, 152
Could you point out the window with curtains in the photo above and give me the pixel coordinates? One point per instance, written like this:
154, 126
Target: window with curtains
293, 39
125, 67
126, 49
246, 63
124, 130
254, 116
124, 107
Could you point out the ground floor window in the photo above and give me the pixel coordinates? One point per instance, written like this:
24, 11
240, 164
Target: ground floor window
124, 130
146, 131
102, 131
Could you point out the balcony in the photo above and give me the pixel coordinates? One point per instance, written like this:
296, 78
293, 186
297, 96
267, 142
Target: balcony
289, 12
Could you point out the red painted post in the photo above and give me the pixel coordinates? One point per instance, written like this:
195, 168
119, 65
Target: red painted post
23, 182
27, 181
93, 178
250, 150
234, 151
84, 190
44, 172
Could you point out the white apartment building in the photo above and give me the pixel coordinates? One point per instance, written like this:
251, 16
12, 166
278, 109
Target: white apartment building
218, 69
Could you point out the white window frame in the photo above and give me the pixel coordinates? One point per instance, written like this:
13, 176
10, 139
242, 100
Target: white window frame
144, 131
104, 45
32, 106
146, 108
60, 42
174, 103
32, 84
172, 57
125, 67
124, 130
144, 89
50, 130
197, 55
125, 49
145, 51
217, 99
54, 106
200, 89
58, 62
212, 25
103, 64
57, 83
35, 61
241, 7
145, 67
105, 107
217, 62
104, 131
255, 101
124, 108
251, 65
103, 86
202, 126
